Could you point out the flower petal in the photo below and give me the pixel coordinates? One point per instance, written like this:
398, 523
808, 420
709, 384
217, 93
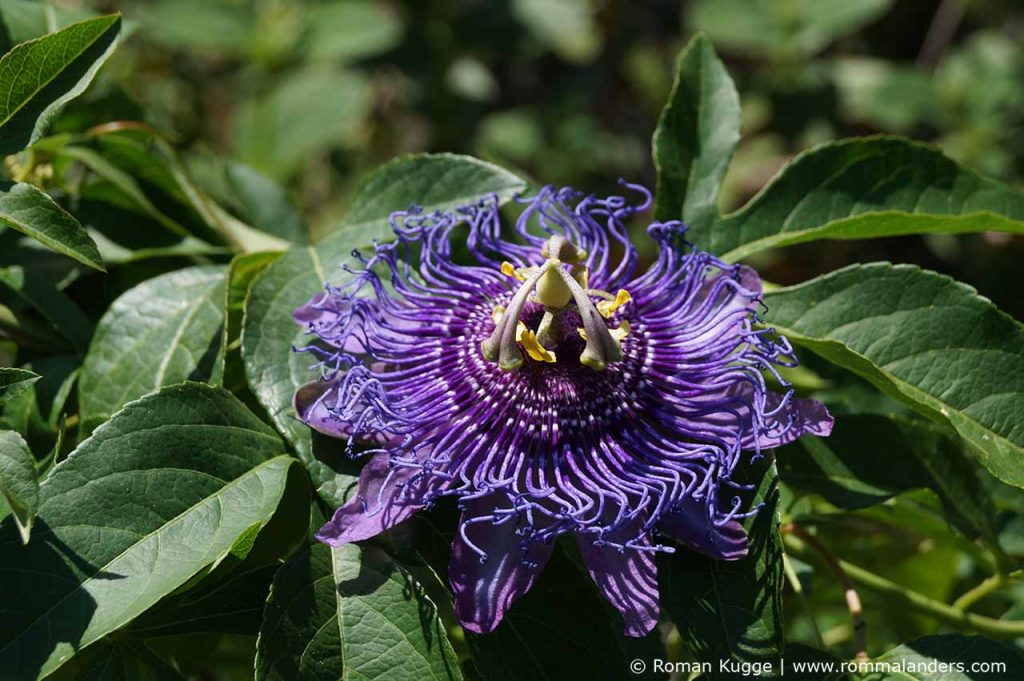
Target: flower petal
689, 525
628, 579
386, 496
314, 403
485, 587
797, 418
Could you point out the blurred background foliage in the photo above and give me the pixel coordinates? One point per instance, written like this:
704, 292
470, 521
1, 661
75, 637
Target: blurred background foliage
311, 94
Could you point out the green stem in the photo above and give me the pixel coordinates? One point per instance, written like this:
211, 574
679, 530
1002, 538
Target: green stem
972, 596
900, 594
794, 581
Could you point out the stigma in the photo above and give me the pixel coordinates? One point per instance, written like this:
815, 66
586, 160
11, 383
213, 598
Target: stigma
560, 286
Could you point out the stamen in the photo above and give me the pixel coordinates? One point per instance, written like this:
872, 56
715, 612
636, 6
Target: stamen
501, 346
601, 348
532, 346
510, 270
608, 307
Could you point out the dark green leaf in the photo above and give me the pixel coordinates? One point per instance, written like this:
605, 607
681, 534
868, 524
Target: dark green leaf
870, 458
924, 339
229, 604
15, 381
561, 629
19, 485
36, 413
38, 77
431, 181
23, 290
163, 331
863, 189
695, 138
731, 610
159, 492
119, 660
30, 211
351, 612
921, 659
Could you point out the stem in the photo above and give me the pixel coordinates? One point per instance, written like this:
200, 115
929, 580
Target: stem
860, 629
901, 594
972, 596
798, 589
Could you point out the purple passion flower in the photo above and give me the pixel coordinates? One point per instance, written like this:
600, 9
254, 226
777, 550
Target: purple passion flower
550, 387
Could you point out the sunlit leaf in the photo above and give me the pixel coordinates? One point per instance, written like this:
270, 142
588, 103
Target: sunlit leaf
30, 211
351, 611
19, 484
695, 138
155, 495
165, 330
925, 339
38, 77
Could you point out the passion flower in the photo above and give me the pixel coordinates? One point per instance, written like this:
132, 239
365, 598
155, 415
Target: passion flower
551, 388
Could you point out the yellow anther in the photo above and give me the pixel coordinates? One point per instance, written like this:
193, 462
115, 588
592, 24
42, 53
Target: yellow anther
608, 307
618, 334
528, 339
509, 270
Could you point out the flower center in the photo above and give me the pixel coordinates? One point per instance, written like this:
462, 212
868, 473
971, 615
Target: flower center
559, 285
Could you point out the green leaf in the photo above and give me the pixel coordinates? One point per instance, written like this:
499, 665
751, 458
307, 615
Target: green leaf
731, 610
30, 211
19, 485
38, 77
13, 382
924, 339
921, 659
347, 31
870, 458
310, 111
242, 271
23, 290
215, 28
566, 26
781, 30
265, 204
36, 413
865, 189
158, 493
28, 19
351, 612
275, 372
696, 136
561, 629
431, 181
164, 331
269, 332
119, 660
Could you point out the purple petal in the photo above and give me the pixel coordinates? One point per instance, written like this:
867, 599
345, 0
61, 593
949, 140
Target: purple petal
485, 588
314, 403
627, 579
689, 525
798, 417
386, 496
